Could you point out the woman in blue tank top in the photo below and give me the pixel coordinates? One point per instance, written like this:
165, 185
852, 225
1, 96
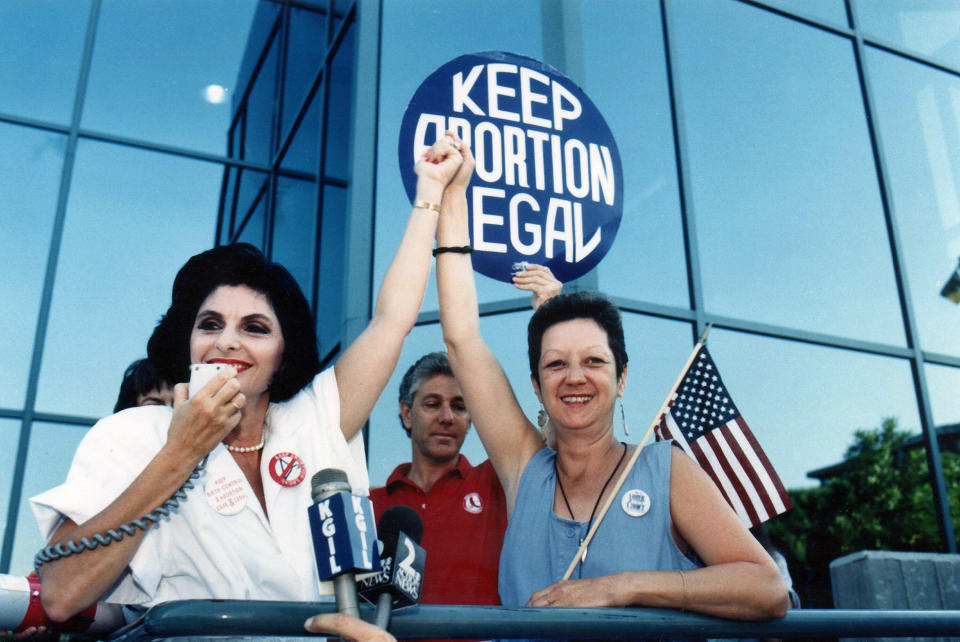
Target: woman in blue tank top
669, 539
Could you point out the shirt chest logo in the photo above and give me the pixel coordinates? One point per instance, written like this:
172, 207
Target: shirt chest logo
472, 503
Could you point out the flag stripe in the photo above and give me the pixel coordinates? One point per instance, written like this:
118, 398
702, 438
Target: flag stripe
774, 486
742, 438
714, 467
746, 474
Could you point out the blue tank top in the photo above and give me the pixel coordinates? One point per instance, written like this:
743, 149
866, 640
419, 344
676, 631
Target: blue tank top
539, 544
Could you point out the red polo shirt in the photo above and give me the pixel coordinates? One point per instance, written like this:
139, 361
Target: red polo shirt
464, 517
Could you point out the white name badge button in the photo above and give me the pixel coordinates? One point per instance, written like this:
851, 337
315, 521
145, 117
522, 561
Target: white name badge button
635, 503
226, 495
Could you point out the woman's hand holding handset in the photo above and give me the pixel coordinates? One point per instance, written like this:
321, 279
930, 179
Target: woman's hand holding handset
200, 422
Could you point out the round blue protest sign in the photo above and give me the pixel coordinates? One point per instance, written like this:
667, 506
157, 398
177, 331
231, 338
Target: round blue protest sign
548, 185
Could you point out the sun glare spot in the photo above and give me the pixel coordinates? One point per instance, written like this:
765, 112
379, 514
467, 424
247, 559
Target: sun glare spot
215, 94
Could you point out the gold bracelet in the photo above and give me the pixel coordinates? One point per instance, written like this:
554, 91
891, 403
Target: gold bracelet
683, 594
424, 205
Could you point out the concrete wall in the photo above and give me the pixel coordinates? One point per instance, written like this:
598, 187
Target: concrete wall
891, 580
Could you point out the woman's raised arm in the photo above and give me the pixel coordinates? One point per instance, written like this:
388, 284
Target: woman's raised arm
509, 439
365, 367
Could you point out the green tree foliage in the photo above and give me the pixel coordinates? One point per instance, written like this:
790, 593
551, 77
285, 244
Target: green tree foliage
883, 500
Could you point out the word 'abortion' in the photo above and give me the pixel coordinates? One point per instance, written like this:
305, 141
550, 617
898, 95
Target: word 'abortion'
543, 207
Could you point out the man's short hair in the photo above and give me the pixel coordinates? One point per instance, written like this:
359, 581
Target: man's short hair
429, 365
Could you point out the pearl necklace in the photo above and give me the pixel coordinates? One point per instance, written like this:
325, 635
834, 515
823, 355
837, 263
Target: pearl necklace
246, 449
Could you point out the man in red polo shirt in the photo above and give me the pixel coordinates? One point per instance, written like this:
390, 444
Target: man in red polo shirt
462, 506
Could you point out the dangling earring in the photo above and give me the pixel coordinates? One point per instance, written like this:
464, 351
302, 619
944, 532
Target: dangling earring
542, 417
623, 416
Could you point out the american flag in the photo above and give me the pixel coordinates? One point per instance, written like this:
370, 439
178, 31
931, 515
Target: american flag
704, 421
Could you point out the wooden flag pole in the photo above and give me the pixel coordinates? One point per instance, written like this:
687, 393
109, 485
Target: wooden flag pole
582, 551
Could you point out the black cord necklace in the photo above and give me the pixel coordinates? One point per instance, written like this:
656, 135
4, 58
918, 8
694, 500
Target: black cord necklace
596, 504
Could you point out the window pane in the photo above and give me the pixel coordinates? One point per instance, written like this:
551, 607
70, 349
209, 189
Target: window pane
41, 46
252, 230
302, 154
153, 62
929, 27
127, 232
636, 105
942, 385
294, 229
29, 183
789, 221
918, 110
804, 402
48, 460
329, 303
403, 67
258, 143
339, 114
831, 10
306, 48
10, 435
250, 187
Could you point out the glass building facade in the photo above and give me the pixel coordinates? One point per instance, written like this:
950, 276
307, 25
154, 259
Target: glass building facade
791, 175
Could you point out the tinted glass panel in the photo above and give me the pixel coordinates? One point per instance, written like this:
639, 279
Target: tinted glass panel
789, 220
338, 116
830, 10
48, 460
804, 402
127, 232
918, 110
41, 46
10, 434
329, 304
294, 229
258, 141
403, 67
29, 183
166, 75
302, 154
253, 228
250, 187
646, 261
929, 27
306, 48
942, 385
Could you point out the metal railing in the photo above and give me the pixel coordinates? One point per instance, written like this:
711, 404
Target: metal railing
253, 619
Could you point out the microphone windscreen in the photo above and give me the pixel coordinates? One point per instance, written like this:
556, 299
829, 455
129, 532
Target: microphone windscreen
328, 480
398, 519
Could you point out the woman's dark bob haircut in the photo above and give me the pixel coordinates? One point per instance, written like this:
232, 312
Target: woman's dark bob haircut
576, 305
238, 264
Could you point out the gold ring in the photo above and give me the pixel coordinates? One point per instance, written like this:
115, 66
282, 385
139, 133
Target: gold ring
455, 144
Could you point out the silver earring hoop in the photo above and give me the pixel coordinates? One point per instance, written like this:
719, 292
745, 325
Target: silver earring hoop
623, 416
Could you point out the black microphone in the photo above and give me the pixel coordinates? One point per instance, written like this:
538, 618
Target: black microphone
402, 561
344, 541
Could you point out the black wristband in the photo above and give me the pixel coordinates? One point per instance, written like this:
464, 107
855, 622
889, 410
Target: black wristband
461, 249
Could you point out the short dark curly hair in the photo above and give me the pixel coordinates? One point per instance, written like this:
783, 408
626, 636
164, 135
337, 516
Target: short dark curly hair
141, 377
238, 264
576, 305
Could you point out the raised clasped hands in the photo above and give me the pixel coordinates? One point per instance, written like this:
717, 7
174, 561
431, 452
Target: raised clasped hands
199, 424
446, 166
